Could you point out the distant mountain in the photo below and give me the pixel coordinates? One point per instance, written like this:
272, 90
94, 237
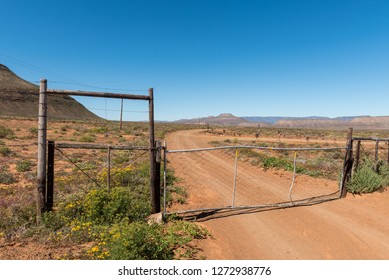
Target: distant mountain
358, 122
223, 119
349, 118
19, 98
272, 120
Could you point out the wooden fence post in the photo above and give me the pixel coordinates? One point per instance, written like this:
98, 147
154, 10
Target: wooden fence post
348, 163
376, 157
50, 176
376, 151
388, 153
154, 188
42, 136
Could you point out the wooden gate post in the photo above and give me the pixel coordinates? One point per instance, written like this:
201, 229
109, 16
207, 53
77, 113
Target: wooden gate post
154, 187
388, 154
376, 151
348, 163
42, 136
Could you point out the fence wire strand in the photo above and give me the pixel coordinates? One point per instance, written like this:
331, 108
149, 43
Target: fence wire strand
249, 176
78, 168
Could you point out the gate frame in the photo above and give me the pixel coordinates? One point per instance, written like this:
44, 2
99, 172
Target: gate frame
346, 168
42, 195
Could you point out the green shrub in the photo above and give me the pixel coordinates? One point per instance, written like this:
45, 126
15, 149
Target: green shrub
274, 162
53, 221
34, 131
99, 130
6, 178
23, 165
121, 157
369, 178
16, 214
6, 132
101, 206
365, 180
142, 241
65, 128
5, 151
128, 176
383, 171
88, 138
90, 165
115, 222
138, 241
176, 194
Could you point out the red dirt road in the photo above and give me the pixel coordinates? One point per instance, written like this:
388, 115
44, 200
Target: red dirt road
356, 227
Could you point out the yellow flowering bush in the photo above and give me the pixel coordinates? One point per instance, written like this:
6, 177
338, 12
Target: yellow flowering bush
112, 222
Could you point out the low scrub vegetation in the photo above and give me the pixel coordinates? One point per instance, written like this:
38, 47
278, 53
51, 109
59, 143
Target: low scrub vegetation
101, 222
109, 223
280, 133
6, 177
5, 151
369, 177
324, 164
23, 165
115, 223
6, 132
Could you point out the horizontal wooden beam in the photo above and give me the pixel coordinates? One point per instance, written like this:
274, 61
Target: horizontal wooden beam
98, 94
370, 139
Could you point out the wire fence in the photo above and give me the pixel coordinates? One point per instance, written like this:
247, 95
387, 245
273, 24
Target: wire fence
371, 148
235, 177
103, 166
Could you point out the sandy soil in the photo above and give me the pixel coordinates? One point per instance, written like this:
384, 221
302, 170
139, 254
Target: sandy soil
32, 250
352, 228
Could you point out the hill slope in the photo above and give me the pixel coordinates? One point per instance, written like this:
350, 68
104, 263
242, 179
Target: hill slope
223, 119
358, 122
19, 98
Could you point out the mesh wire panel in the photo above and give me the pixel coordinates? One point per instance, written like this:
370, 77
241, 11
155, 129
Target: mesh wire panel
77, 169
232, 177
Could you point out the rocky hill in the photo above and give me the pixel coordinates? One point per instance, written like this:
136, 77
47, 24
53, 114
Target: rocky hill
357, 122
19, 98
223, 119
363, 122
275, 119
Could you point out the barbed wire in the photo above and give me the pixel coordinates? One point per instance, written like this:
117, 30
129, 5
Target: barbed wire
116, 110
71, 80
34, 67
97, 87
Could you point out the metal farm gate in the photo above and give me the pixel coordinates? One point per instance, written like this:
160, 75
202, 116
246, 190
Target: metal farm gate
249, 177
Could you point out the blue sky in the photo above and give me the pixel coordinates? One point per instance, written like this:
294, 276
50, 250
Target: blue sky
248, 58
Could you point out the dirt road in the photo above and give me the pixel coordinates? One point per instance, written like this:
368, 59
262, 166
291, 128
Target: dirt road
356, 227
